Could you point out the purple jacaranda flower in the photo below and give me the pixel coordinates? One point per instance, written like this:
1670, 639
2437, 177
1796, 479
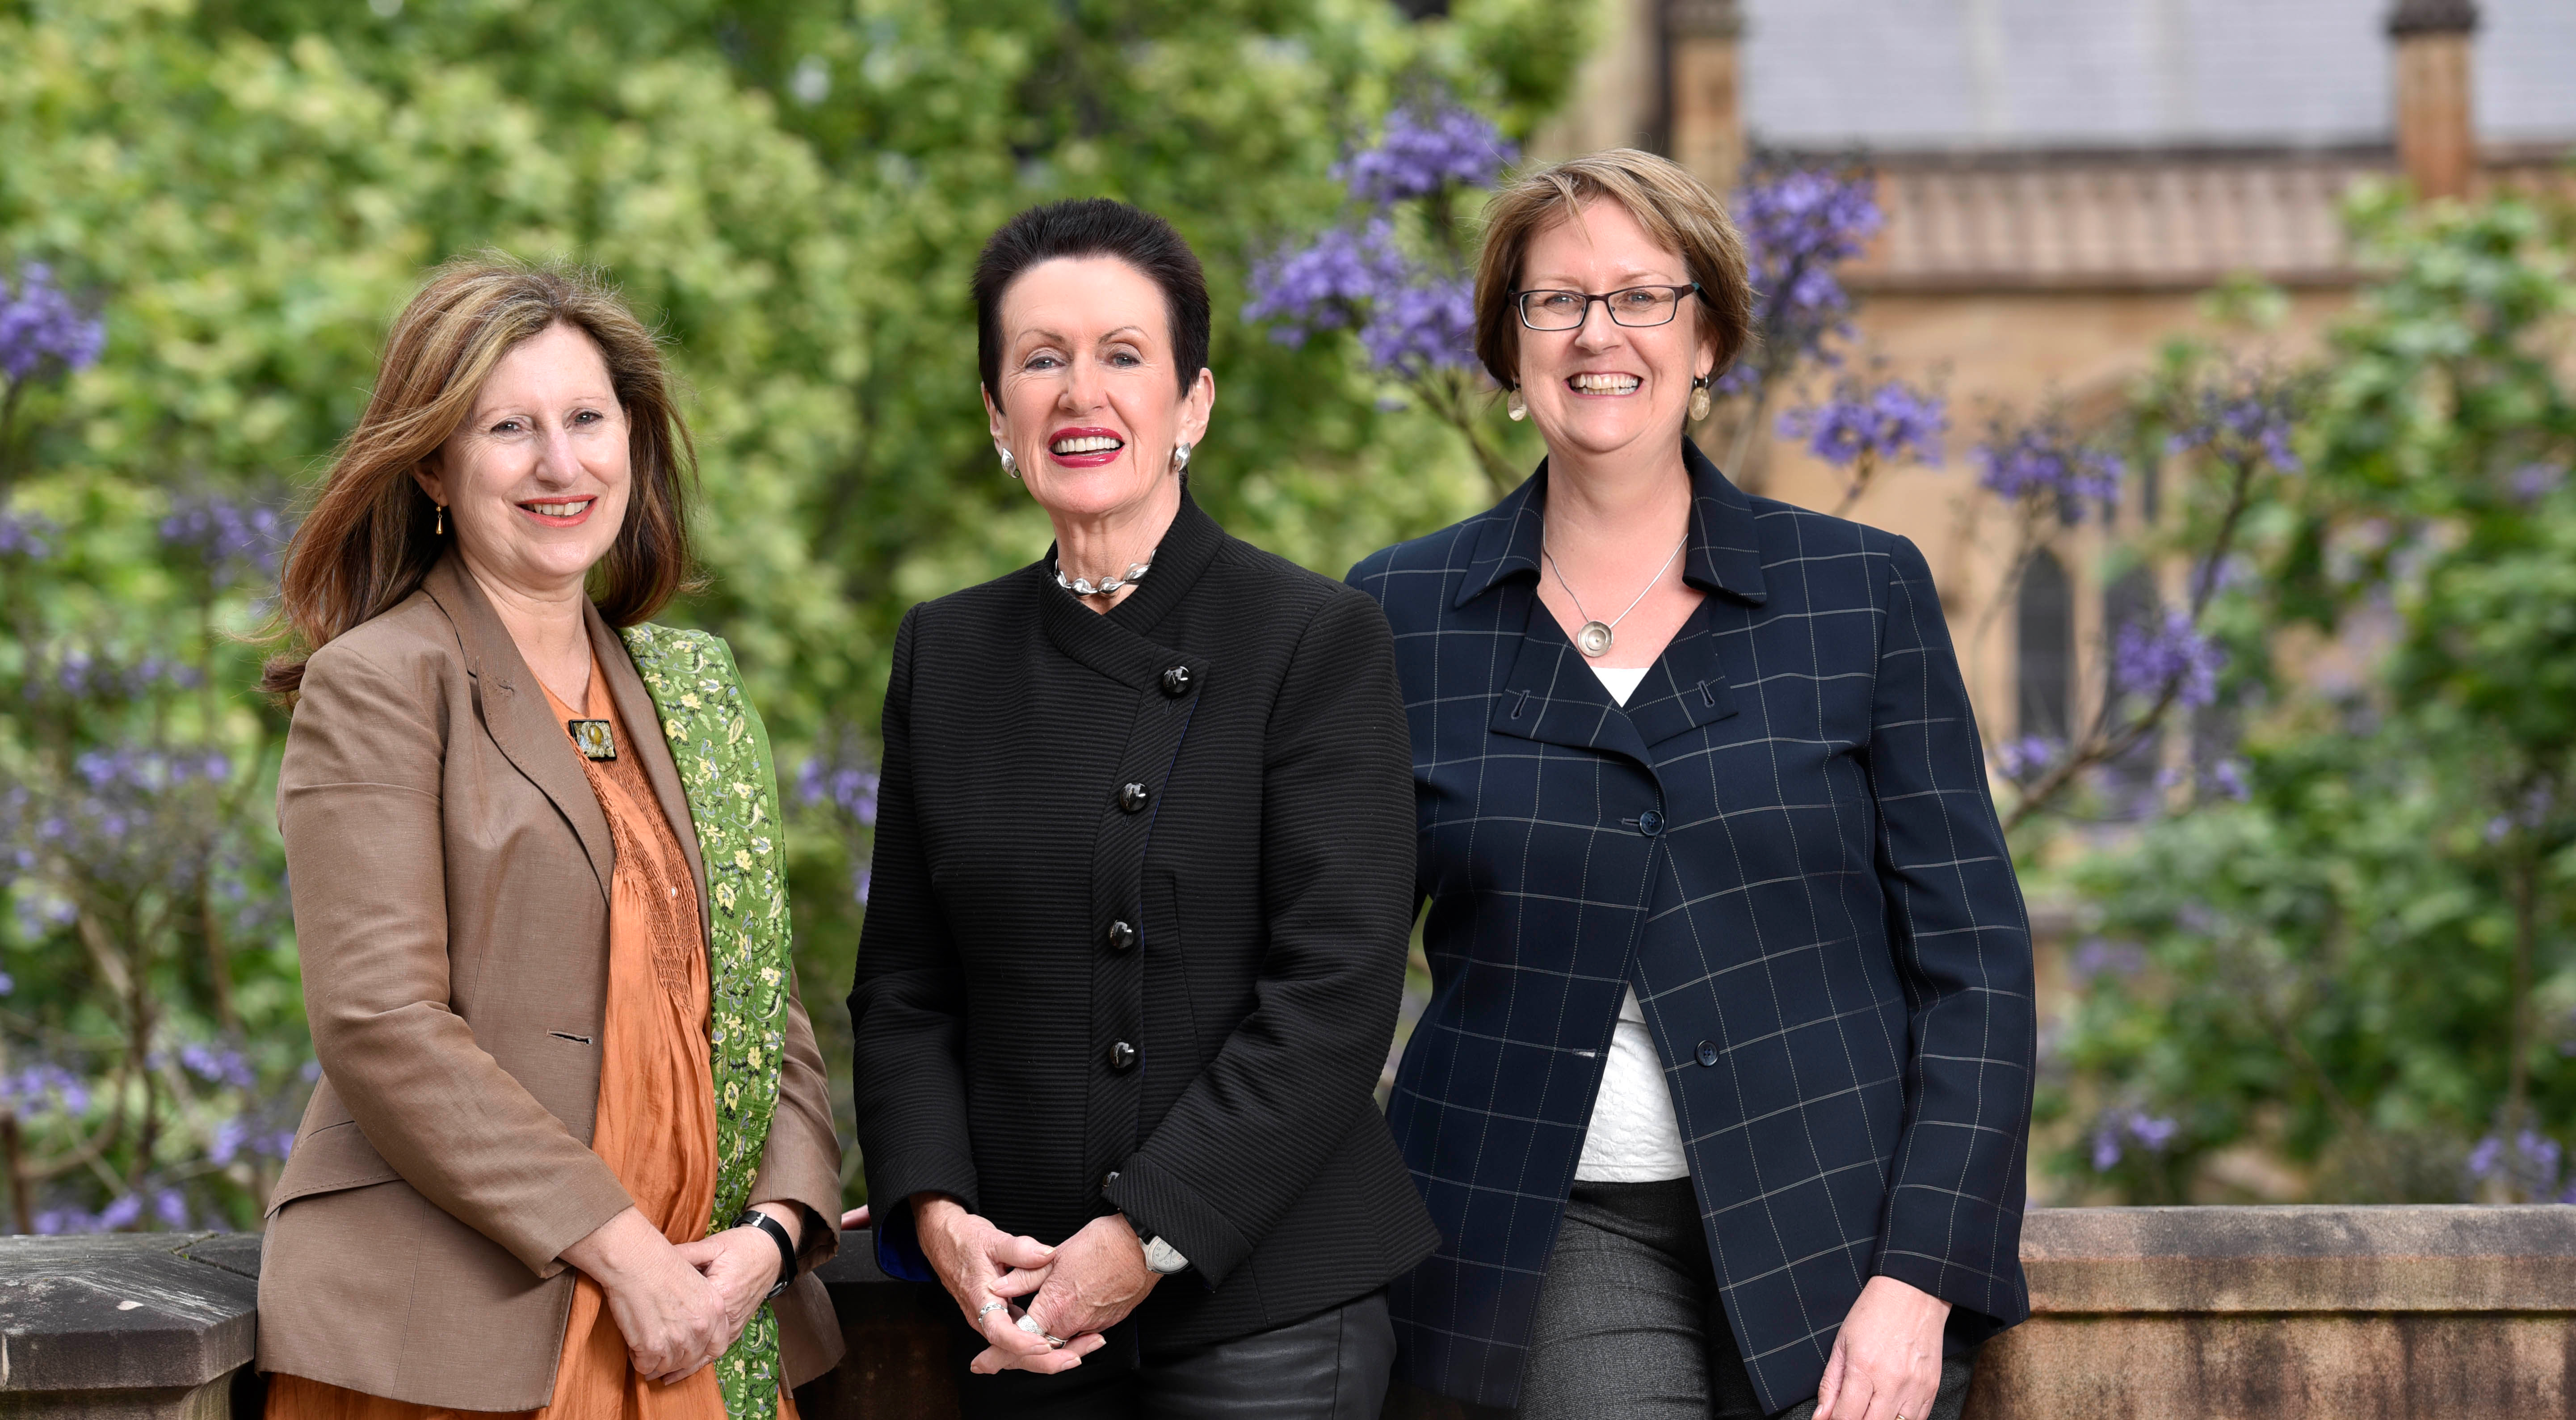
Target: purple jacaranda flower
28, 538
2095, 956
1425, 325
226, 1140
2535, 481
2044, 459
2027, 757
2250, 420
2529, 1162
2227, 776
125, 1212
1329, 283
2173, 657
845, 787
1799, 226
861, 878
217, 1065
83, 673
1892, 423
1424, 149
45, 1087
170, 1209
39, 914
1409, 318
2150, 1132
229, 537
41, 328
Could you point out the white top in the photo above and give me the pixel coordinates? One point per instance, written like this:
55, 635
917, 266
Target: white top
1634, 1137
1621, 683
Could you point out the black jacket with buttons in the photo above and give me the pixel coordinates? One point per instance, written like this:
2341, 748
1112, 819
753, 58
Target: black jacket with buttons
1136, 928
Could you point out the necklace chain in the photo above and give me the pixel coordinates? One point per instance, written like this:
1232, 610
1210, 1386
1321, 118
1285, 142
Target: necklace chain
1598, 644
1082, 587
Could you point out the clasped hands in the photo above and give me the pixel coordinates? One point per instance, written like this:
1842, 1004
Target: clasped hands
679, 1305
1077, 1289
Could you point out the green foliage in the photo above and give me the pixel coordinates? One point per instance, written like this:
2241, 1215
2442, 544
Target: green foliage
794, 191
2365, 966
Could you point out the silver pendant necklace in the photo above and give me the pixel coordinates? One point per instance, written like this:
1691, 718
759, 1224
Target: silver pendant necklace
1082, 587
1596, 636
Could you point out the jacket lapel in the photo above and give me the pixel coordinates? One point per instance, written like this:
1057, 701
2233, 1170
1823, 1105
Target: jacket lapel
1119, 644
653, 747
515, 713
1686, 687
1551, 695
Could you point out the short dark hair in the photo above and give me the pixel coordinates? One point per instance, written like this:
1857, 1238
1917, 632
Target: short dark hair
1093, 226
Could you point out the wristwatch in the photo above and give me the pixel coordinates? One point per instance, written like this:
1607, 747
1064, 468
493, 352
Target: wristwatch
1163, 1259
754, 1218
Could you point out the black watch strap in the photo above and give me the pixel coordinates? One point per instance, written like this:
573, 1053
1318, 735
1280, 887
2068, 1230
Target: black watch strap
754, 1218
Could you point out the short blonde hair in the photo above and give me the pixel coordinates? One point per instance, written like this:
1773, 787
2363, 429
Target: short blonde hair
1677, 211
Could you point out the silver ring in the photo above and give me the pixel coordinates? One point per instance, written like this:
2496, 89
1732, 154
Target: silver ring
989, 1309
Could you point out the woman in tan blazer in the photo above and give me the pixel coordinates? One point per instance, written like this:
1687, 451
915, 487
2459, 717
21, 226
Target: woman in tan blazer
571, 1133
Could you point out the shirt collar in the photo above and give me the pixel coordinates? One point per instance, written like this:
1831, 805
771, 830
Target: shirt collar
1725, 550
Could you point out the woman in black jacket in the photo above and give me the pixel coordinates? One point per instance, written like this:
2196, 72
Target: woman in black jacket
1143, 879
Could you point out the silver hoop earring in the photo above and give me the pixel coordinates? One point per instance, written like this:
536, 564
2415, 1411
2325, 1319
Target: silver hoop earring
1010, 465
1181, 459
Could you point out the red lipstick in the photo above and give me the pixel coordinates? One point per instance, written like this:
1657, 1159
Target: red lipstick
1086, 458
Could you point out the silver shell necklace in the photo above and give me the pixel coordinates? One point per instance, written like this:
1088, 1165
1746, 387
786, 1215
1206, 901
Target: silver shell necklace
1082, 587
1596, 636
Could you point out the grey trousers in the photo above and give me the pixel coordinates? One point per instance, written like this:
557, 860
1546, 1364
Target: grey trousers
1332, 1366
1629, 1322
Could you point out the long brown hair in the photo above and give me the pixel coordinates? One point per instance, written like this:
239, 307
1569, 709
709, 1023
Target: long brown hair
370, 539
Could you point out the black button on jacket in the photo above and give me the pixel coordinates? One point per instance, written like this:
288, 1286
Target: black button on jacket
1135, 939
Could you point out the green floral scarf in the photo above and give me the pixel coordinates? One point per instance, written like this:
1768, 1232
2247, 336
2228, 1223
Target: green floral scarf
731, 780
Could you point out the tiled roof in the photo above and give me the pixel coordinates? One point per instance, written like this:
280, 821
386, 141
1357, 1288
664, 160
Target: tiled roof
2172, 219
1915, 74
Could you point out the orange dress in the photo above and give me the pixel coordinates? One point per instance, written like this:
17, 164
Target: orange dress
657, 1111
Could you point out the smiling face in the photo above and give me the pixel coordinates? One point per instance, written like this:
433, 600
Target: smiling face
1605, 387
1090, 403
536, 479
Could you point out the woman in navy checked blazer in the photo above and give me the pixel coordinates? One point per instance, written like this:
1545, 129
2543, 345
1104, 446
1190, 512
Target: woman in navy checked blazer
1722, 1098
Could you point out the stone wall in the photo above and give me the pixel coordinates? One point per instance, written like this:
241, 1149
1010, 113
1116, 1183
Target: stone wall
2171, 1313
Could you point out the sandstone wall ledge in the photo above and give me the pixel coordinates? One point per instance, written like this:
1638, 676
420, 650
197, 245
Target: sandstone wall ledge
2170, 1313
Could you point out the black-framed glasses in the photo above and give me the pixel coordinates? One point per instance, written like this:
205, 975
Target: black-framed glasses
1635, 306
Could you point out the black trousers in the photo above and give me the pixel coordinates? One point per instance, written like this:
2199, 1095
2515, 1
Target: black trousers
1332, 1366
1630, 1324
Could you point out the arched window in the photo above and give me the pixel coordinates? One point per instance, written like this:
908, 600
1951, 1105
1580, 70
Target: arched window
2044, 624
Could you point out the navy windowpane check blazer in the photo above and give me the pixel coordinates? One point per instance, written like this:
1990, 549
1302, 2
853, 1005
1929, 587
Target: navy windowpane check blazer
1784, 842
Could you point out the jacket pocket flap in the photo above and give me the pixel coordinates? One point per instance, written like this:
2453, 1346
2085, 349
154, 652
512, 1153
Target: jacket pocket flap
328, 1160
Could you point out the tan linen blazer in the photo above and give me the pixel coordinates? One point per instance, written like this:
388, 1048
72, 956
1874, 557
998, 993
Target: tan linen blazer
450, 867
